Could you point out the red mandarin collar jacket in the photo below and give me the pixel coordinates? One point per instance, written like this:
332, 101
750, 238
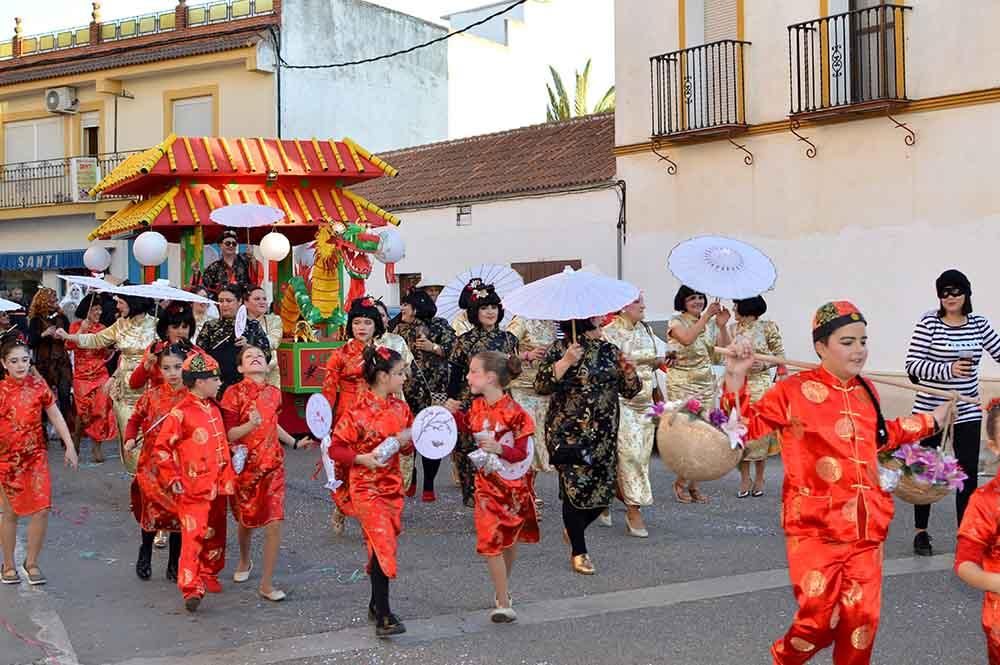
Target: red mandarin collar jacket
828, 445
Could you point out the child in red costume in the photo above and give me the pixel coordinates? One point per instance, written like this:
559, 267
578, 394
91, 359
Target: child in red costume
504, 509
250, 409
155, 509
174, 325
834, 512
344, 382
977, 557
191, 454
25, 488
94, 416
378, 421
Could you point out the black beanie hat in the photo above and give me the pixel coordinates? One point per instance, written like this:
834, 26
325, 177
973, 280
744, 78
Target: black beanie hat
953, 278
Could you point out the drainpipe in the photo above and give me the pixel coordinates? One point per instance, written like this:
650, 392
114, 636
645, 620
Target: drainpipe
621, 226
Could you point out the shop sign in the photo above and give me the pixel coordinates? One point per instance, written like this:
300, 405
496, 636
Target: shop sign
42, 260
84, 174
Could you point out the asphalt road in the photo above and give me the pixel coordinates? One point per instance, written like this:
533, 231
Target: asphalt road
709, 587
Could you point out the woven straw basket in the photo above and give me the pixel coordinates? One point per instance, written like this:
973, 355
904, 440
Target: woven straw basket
918, 493
693, 449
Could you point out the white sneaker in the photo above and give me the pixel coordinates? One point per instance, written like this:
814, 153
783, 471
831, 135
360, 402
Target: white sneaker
503, 615
604, 519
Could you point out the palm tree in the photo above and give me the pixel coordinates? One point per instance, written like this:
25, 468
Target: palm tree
559, 103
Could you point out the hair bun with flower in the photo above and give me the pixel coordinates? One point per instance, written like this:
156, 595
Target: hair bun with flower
383, 352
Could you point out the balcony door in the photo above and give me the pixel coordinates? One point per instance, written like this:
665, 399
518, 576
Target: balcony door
708, 98
863, 50
35, 169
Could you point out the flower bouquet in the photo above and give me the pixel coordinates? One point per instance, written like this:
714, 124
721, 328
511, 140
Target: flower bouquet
696, 442
920, 475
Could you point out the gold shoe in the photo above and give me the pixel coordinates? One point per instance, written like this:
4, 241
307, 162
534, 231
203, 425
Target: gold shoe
582, 564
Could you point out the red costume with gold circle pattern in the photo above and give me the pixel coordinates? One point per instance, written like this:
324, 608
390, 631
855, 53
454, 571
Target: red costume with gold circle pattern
979, 542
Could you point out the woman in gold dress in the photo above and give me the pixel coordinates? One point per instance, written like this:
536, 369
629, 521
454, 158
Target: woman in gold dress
696, 330
533, 340
637, 343
766, 339
131, 334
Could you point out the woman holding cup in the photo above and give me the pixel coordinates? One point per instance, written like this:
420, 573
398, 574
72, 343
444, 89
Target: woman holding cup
945, 350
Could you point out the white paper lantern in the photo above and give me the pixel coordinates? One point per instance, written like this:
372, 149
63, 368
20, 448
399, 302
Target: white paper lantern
274, 246
391, 247
150, 248
97, 259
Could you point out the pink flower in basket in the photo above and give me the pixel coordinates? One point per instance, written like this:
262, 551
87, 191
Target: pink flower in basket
656, 411
693, 405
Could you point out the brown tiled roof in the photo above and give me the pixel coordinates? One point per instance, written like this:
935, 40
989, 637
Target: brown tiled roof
153, 48
550, 157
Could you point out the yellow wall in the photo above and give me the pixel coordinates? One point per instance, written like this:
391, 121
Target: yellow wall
245, 100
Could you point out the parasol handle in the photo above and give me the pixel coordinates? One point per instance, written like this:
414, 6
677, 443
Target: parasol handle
778, 360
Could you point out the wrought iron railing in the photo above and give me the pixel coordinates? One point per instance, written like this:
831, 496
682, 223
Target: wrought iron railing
850, 59
48, 182
699, 89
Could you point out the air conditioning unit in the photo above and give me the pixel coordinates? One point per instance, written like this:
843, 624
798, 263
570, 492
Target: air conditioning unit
61, 100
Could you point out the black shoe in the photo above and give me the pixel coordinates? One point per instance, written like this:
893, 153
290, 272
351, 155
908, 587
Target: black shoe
371, 614
389, 625
922, 544
191, 604
469, 501
143, 565
172, 571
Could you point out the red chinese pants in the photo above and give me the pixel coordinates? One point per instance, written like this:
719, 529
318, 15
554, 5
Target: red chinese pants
991, 627
839, 590
203, 543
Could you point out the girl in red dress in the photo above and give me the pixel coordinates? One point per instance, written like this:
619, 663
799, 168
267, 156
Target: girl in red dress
250, 410
25, 488
363, 439
504, 510
94, 416
154, 510
977, 557
343, 382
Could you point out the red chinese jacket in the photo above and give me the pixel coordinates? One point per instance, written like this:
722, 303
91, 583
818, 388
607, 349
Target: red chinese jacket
192, 448
828, 446
344, 378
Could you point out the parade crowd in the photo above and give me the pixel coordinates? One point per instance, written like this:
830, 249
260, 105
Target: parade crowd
195, 407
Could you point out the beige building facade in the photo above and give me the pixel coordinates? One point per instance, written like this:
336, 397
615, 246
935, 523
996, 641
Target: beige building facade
885, 181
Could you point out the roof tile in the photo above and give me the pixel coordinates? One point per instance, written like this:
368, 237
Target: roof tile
552, 156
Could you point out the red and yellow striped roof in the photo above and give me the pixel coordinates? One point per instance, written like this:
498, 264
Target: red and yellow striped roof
186, 205
243, 160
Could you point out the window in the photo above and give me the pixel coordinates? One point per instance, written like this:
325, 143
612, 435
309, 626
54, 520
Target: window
34, 140
193, 116
720, 20
532, 271
90, 134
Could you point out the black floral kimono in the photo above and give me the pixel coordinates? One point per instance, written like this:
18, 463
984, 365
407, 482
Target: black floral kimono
583, 411
218, 339
466, 346
429, 372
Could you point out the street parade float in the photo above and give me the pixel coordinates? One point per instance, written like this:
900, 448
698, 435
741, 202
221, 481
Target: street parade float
181, 182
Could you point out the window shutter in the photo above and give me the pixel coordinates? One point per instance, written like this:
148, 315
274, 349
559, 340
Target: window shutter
720, 20
193, 117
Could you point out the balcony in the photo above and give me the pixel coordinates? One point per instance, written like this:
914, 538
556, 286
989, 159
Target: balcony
848, 63
54, 181
699, 91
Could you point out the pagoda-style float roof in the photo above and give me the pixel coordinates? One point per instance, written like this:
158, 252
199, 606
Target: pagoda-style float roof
242, 160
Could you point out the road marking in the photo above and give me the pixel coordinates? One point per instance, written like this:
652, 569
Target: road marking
51, 630
461, 624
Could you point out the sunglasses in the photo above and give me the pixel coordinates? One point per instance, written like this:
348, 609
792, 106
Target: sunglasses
229, 243
951, 292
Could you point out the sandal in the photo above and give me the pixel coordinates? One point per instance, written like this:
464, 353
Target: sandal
9, 576
34, 578
697, 496
680, 493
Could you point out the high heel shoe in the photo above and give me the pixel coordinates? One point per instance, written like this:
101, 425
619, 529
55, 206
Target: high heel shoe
582, 564
635, 533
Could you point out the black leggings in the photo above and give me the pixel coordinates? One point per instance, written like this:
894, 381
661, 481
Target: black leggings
380, 590
967, 451
576, 521
175, 545
430, 467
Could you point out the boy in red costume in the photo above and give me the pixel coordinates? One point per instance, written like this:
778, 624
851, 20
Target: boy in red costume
977, 557
191, 453
834, 512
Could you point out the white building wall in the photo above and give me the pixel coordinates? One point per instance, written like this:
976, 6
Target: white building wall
870, 219
402, 101
495, 86
545, 228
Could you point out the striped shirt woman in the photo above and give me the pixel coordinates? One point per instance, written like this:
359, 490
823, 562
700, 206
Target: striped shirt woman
945, 352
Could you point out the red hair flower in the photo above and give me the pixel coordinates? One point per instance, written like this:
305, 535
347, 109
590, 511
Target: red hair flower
367, 301
384, 352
